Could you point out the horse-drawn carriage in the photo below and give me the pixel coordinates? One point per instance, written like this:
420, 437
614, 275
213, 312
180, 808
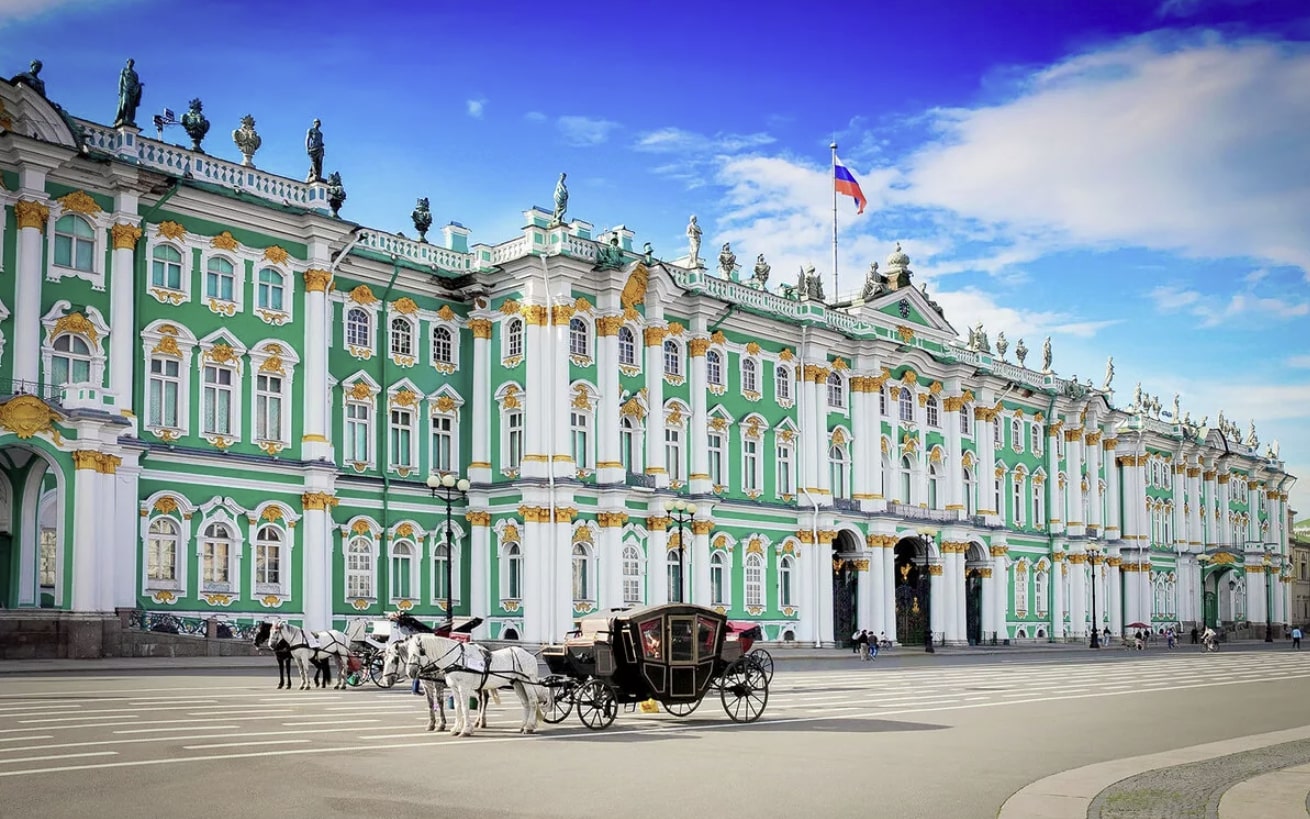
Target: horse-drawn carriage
674, 654
369, 641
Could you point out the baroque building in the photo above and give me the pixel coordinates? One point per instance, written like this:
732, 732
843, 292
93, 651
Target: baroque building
220, 400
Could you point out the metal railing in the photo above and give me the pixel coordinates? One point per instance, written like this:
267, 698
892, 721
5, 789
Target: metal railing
49, 393
165, 623
920, 513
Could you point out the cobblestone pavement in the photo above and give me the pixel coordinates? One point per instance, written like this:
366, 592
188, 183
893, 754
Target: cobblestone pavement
1192, 791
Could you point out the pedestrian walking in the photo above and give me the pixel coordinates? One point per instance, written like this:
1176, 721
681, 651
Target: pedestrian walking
1169, 638
1296, 638
1195, 635
873, 647
862, 644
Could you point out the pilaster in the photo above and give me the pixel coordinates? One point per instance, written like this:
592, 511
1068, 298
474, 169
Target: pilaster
654, 340
609, 468
32, 216
699, 478
315, 443
1058, 569
87, 509
484, 409
315, 553
122, 344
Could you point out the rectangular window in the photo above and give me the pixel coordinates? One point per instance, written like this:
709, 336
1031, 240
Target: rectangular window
214, 560
164, 382
268, 408
49, 557
402, 437
443, 442
514, 423
673, 453
1036, 436
785, 486
1017, 499
997, 435
579, 423
268, 569
750, 465
218, 400
357, 437
716, 458
1039, 504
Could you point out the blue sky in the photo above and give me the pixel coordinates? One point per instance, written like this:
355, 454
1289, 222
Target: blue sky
1128, 177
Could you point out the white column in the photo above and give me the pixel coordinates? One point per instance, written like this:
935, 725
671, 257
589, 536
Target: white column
877, 480
1114, 596
986, 475
1001, 574
1178, 520
989, 592
1073, 453
123, 343
87, 509
654, 338
609, 467
1224, 531
877, 585
127, 479
314, 441
954, 452
950, 598
479, 556
1058, 567
938, 616
657, 554
814, 433
484, 408
1078, 595
25, 352
1113, 510
561, 598
698, 439
698, 552
1195, 535
1092, 453
537, 388
889, 587
819, 425
314, 551
1253, 510
609, 556
107, 550
862, 449
961, 593
560, 448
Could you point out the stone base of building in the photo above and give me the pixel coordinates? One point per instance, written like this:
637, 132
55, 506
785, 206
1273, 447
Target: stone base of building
57, 635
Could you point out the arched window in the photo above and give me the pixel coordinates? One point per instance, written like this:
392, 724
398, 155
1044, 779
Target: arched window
970, 490
579, 341
673, 568
672, 359
216, 400
402, 571
514, 338
840, 470
934, 419
907, 471
750, 380
714, 368
1035, 442
782, 382
71, 362
359, 568
75, 243
402, 337
934, 487
836, 391
786, 568
997, 438
271, 284
907, 405
215, 554
268, 560
754, 580
357, 327
582, 573
220, 279
161, 562
631, 574
717, 586
513, 572
627, 347
166, 268
443, 351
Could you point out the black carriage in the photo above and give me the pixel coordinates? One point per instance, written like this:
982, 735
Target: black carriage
673, 654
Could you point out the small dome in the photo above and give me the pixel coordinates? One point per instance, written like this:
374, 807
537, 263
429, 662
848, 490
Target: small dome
898, 258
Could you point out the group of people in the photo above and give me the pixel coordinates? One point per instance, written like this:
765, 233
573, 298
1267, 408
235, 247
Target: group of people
867, 645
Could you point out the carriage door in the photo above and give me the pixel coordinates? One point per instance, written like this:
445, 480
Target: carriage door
682, 656
845, 588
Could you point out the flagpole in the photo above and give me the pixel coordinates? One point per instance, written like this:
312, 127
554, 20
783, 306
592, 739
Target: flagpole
836, 287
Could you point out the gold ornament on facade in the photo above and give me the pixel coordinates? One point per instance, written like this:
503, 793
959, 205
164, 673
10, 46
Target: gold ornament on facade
581, 398
1224, 478
361, 527
272, 447
86, 459
909, 377
717, 336
404, 397
632, 409
561, 313
405, 305
74, 323
676, 328
697, 347
634, 290
273, 364
510, 307
125, 236
363, 295
276, 254
221, 354
786, 354
611, 520
702, 527
481, 328
222, 308
840, 364
923, 399
827, 536
905, 332
444, 404
317, 280
31, 214
608, 325
271, 513
674, 415
360, 391
79, 202
536, 314
27, 415
165, 506
657, 523
1072, 435
582, 305
225, 241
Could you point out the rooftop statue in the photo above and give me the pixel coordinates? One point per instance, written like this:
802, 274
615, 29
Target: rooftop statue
196, 125
247, 140
561, 201
875, 284
1001, 344
1046, 355
1273, 448
760, 278
1177, 407
336, 193
978, 339
648, 253
728, 262
1109, 373
30, 78
693, 239
422, 219
314, 148
129, 96
813, 283
1204, 423
1251, 439
609, 256
1021, 352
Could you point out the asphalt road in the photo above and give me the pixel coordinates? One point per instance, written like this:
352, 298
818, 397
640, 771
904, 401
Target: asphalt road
950, 736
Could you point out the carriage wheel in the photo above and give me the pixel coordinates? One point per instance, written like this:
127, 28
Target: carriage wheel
764, 660
681, 709
375, 665
597, 705
561, 703
744, 690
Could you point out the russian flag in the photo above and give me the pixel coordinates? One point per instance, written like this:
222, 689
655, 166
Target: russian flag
845, 183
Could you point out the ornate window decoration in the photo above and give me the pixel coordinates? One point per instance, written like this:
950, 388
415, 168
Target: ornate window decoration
404, 572
220, 548
634, 574
512, 338
165, 527
164, 566
581, 426
717, 447
222, 288
361, 559
673, 362
753, 428
1039, 499
839, 466
166, 268
511, 565
906, 405
402, 429
73, 352
933, 412
271, 567
1021, 587
629, 360
675, 454
584, 573
714, 372
401, 337
782, 377
1017, 495
750, 379
358, 416
1016, 434
1041, 586
77, 239
580, 342
1035, 439
836, 391
510, 397
273, 294
221, 360
167, 348
720, 585
274, 366
171, 271
753, 584
786, 582
359, 314
444, 408
785, 461
444, 353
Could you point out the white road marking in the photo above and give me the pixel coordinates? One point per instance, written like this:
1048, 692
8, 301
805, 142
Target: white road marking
184, 728
330, 722
56, 756
26, 739
244, 744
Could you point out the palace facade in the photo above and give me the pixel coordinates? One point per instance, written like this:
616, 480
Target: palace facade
219, 400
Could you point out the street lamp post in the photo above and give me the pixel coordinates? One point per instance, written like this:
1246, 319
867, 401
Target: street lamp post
1269, 599
682, 512
448, 486
1093, 557
927, 535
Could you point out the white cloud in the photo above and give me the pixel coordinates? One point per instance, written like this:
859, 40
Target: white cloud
535, 116
1300, 362
678, 140
475, 107
584, 132
1216, 310
1184, 144
12, 10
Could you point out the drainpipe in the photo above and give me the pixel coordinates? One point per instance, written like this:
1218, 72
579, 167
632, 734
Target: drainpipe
139, 277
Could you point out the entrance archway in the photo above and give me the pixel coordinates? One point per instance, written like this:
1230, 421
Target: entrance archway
913, 591
32, 534
975, 566
845, 588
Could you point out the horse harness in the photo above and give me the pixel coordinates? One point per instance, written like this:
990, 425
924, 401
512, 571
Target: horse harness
512, 676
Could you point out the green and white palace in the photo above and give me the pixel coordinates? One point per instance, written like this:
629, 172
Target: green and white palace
220, 400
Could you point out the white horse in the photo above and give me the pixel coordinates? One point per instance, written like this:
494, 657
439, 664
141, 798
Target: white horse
434, 686
327, 645
470, 669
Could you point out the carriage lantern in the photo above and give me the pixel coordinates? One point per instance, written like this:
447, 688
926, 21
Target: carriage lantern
448, 487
